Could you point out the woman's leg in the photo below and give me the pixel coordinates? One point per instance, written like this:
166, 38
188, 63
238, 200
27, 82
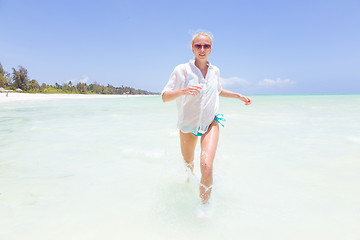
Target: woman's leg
188, 143
209, 142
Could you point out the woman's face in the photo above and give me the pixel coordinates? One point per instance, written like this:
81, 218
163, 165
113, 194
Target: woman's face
201, 47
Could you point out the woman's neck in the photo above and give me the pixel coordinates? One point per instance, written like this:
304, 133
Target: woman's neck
202, 65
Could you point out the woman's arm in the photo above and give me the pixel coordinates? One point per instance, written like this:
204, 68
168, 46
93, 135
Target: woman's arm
171, 95
230, 94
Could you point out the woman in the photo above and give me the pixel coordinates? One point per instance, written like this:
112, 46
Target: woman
196, 87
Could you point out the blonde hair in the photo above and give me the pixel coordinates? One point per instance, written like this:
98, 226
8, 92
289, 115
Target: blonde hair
206, 34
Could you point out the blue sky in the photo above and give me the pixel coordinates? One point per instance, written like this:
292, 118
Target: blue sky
261, 47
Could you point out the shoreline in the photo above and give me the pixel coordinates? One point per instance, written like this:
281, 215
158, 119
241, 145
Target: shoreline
17, 97
25, 97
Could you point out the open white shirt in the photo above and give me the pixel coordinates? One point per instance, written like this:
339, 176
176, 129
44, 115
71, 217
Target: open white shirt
195, 113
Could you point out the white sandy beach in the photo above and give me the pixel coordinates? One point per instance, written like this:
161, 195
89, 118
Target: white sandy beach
13, 96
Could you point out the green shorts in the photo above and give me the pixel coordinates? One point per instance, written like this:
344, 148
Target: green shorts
218, 118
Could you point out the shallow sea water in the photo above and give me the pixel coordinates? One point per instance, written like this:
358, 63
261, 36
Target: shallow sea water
287, 167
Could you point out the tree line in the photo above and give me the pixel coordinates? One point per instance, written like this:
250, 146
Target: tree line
19, 79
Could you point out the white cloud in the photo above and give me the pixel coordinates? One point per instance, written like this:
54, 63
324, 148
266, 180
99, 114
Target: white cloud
83, 79
234, 81
267, 82
265, 86
276, 83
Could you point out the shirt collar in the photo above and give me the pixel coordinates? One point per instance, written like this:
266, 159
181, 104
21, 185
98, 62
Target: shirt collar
192, 62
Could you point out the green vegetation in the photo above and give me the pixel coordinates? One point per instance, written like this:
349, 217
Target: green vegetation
19, 79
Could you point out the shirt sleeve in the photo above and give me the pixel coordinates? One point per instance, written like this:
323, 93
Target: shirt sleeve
219, 87
175, 81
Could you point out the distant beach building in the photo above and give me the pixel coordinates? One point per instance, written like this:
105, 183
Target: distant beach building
4, 90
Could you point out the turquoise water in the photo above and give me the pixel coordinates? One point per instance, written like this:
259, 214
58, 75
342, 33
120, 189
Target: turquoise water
287, 167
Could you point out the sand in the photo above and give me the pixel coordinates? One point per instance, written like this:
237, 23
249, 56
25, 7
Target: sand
15, 97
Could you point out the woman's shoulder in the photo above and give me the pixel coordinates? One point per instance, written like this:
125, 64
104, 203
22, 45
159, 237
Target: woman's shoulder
182, 68
215, 68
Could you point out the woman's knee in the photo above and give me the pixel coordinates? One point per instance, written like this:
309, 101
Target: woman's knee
188, 157
188, 144
206, 163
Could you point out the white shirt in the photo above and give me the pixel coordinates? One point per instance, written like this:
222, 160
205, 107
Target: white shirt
195, 113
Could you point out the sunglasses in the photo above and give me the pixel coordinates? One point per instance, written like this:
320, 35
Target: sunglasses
199, 46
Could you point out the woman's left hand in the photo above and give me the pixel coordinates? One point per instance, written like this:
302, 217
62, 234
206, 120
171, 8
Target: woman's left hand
245, 99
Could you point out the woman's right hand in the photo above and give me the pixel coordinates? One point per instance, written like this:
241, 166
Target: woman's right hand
191, 90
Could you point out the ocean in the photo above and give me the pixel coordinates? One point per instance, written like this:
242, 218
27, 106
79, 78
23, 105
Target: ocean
287, 167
